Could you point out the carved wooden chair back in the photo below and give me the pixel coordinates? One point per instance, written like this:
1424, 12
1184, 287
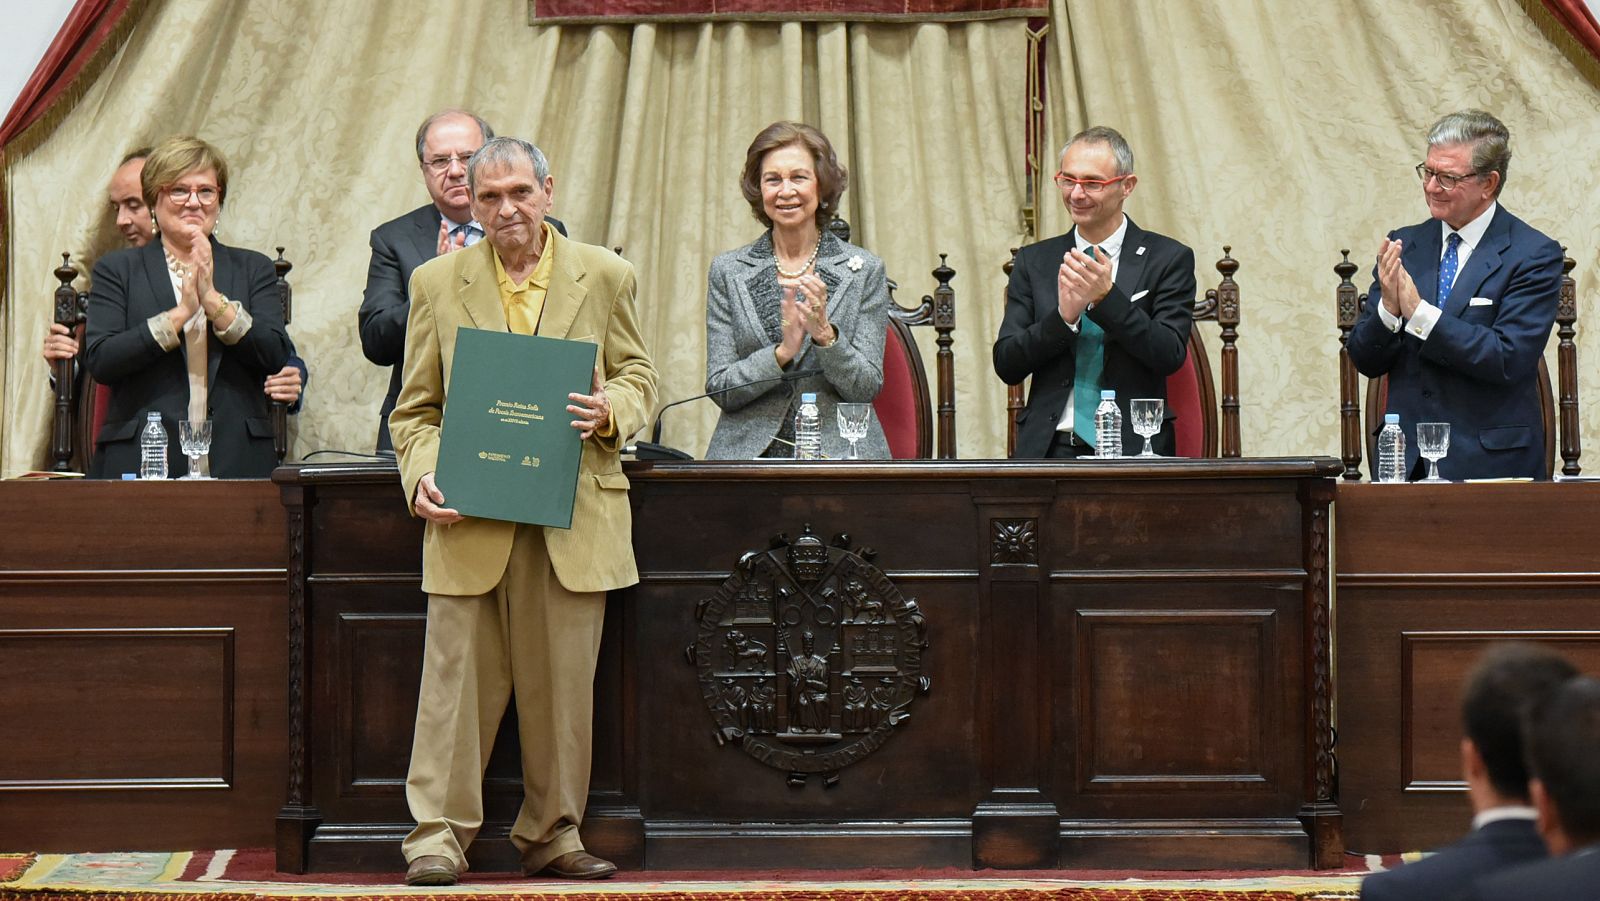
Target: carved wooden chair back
904, 405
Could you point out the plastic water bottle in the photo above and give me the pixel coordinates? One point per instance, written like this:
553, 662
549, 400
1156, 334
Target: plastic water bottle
153, 449
1391, 450
1108, 426
808, 429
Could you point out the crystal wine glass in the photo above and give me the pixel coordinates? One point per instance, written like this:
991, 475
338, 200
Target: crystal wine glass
1146, 413
854, 420
1433, 442
194, 436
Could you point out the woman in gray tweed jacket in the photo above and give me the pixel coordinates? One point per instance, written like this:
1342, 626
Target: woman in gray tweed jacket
797, 310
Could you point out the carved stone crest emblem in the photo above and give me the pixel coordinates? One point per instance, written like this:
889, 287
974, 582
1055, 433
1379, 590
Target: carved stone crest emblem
808, 655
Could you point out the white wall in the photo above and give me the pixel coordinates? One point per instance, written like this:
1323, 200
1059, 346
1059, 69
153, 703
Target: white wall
25, 34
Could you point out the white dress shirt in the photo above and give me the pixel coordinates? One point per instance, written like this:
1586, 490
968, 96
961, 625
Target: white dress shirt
1427, 314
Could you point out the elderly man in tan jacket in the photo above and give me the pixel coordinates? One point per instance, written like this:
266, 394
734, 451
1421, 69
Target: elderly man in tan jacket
515, 609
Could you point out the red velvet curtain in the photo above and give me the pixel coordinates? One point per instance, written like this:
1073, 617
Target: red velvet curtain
87, 27
1574, 15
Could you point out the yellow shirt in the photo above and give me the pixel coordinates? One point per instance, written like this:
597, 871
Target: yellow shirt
523, 303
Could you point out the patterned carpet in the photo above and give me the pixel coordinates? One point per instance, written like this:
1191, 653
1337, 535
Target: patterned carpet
246, 876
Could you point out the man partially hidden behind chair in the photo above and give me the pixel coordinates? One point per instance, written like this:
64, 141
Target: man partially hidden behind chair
1563, 737
516, 609
1461, 308
445, 141
1507, 681
1106, 305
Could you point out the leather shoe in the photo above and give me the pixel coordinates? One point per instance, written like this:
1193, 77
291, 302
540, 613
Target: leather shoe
432, 869
578, 865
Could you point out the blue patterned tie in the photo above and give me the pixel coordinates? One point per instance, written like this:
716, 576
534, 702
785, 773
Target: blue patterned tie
1090, 361
1447, 268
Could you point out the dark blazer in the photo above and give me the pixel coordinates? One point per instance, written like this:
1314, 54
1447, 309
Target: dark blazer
1445, 875
743, 307
132, 285
1570, 877
1146, 319
1479, 368
399, 246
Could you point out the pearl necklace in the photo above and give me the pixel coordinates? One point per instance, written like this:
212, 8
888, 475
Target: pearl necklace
175, 265
810, 261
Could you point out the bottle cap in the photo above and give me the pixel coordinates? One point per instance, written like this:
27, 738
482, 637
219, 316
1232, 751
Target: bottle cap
808, 397
1108, 394
1391, 419
152, 415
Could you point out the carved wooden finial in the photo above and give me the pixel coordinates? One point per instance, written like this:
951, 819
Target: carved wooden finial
840, 228
65, 273
1227, 265
943, 272
1344, 268
1011, 263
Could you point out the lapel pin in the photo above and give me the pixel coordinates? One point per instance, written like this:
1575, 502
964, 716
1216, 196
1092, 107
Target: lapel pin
855, 263
1139, 252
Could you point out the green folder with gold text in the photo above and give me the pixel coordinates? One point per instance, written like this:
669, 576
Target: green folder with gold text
507, 448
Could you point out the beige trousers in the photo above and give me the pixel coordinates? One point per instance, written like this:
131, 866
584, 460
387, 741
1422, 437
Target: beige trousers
531, 638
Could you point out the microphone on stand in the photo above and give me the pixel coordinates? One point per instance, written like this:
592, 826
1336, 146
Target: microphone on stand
655, 450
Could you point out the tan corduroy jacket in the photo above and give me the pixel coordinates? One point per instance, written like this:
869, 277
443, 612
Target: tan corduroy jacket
590, 297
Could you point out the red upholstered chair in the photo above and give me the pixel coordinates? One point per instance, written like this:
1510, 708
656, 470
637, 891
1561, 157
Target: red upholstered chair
904, 404
1356, 432
1192, 399
1191, 392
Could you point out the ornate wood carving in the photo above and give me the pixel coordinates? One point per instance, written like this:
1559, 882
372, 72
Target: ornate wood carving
280, 410
809, 656
1347, 308
1321, 815
1014, 393
68, 312
299, 817
1567, 368
944, 322
1014, 541
1228, 318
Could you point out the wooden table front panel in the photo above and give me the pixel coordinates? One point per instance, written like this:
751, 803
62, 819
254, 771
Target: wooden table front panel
1429, 576
1118, 662
141, 665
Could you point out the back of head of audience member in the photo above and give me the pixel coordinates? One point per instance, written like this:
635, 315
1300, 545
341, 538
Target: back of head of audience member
1563, 747
1506, 681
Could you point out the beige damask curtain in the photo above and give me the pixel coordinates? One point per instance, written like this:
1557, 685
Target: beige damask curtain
1286, 130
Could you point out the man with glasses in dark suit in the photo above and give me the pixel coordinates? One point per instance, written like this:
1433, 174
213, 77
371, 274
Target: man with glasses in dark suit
1461, 308
446, 140
1107, 305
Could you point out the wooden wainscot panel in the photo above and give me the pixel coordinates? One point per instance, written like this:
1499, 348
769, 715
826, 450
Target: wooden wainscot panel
97, 697
1134, 527
1174, 700
1433, 671
1470, 564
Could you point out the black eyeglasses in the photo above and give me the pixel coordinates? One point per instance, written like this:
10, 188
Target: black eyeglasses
1447, 180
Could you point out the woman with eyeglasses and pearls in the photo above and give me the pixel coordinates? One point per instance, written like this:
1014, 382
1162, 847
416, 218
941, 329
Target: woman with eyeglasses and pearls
795, 311
186, 326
